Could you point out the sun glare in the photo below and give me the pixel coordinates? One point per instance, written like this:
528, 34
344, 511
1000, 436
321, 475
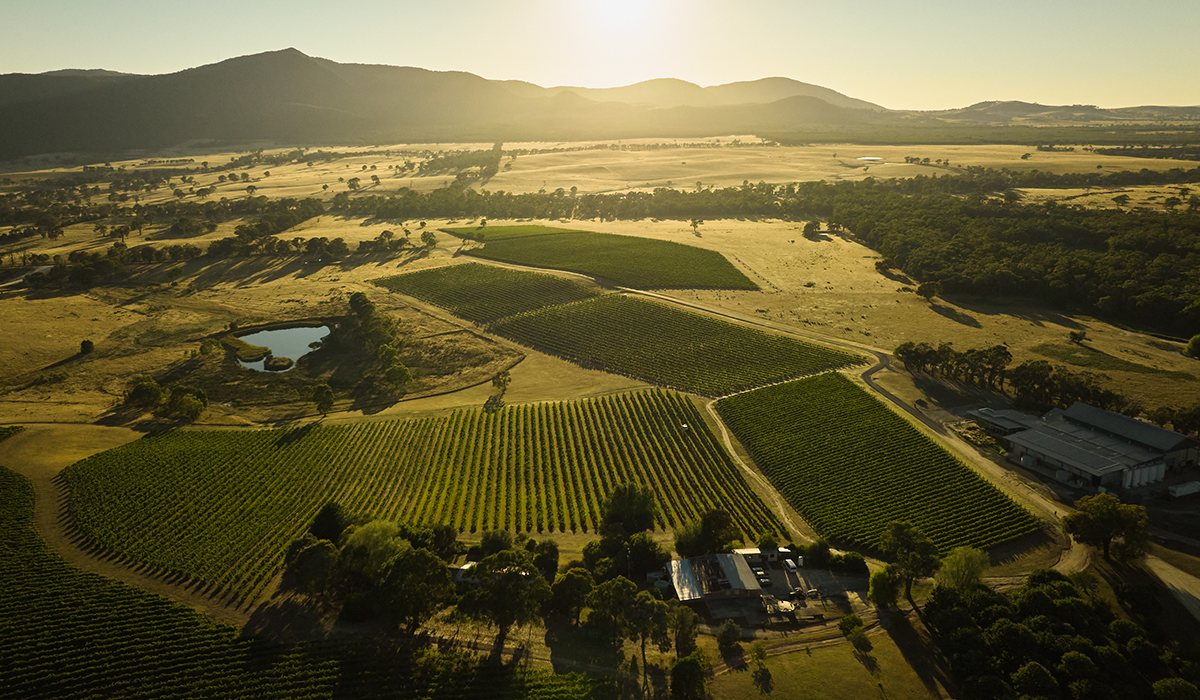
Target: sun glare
621, 41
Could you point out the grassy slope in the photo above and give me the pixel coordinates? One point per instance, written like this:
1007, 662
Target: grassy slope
837, 672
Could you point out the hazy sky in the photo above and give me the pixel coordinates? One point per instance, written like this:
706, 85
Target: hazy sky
916, 54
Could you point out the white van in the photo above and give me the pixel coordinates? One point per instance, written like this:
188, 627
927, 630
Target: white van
791, 565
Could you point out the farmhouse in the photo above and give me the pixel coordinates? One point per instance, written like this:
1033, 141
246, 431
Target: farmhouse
713, 577
1091, 447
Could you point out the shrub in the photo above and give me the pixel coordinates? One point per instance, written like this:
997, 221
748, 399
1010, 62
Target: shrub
729, 635
882, 591
849, 623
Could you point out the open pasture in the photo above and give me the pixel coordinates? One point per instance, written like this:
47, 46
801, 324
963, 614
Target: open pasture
221, 506
480, 292
626, 260
850, 466
74, 634
667, 346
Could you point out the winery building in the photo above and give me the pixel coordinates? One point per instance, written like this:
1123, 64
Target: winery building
713, 576
1090, 447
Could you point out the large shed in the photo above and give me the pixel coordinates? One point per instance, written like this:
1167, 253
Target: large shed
1095, 448
713, 576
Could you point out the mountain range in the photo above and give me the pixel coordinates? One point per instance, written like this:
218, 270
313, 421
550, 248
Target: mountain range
288, 98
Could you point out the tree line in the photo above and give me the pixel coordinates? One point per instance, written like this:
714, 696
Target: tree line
1036, 384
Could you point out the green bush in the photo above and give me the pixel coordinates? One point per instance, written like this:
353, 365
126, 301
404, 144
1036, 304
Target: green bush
729, 636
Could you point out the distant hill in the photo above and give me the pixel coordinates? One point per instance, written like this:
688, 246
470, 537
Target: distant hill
669, 92
1014, 111
287, 97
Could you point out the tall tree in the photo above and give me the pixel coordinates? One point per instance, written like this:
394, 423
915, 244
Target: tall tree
711, 533
882, 588
648, 620
1101, 519
962, 568
510, 592
322, 396
929, 290
629, 508
682, 621
570, 592
416, 585
310, 564
609, 602
916, 555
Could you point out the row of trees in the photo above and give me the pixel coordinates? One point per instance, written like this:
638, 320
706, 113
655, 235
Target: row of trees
1033, 383
1037, 384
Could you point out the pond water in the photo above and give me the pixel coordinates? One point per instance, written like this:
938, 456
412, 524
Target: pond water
285, 342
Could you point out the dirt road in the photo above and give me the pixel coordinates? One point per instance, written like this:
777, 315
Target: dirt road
40, 453
1185, 587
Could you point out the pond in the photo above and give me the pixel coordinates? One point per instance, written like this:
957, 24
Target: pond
292, 343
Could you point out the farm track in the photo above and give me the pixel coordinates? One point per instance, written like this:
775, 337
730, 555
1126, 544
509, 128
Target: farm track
39, 453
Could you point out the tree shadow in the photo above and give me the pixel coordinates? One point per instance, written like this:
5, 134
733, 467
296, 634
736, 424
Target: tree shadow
735, 657
296, 434
253, 270
896, 276
924, 657
870, 663
287, 620
1017, 308
574, 649
955, 315
763, 680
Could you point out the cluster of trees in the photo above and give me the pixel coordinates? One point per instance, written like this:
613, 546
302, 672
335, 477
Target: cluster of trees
487, 161
1101, 520
1052, 637
1172, 152
385, 242
178, 401
1033, 383
1185, 420
1037, 384
1135, 266
373, 340
604, 581
399, 573
258, 236
373, 567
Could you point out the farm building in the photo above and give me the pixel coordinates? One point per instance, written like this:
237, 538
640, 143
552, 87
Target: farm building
1091, 447
755, 555
712, 577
